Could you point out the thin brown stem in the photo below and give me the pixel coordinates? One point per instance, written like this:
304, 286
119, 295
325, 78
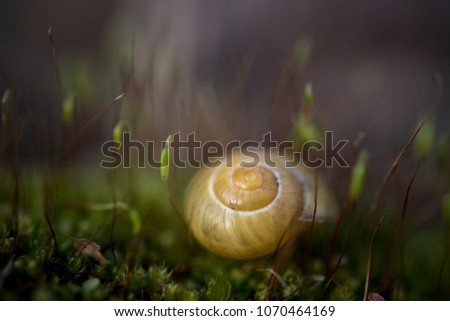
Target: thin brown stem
377, 200
370, 258
56, 65
344, 245
90, 124
402, 227
47, 212
336, 229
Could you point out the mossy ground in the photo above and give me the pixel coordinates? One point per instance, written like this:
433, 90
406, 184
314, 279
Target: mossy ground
160, 261
153, 257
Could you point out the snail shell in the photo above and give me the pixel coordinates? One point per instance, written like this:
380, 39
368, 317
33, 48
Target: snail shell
248, 212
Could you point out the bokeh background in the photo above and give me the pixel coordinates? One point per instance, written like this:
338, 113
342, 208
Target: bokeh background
372, 65
236, 70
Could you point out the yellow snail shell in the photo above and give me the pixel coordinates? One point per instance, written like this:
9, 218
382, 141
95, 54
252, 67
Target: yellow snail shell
248, 212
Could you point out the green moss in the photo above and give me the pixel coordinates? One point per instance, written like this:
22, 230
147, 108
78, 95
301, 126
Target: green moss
218, 290
160, 260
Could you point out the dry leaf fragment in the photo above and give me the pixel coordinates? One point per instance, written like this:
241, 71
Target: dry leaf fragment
88, 248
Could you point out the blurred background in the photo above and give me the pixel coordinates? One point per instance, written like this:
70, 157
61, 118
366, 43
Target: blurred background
234, 70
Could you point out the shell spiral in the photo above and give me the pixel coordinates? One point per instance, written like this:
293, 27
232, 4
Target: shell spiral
248, 212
